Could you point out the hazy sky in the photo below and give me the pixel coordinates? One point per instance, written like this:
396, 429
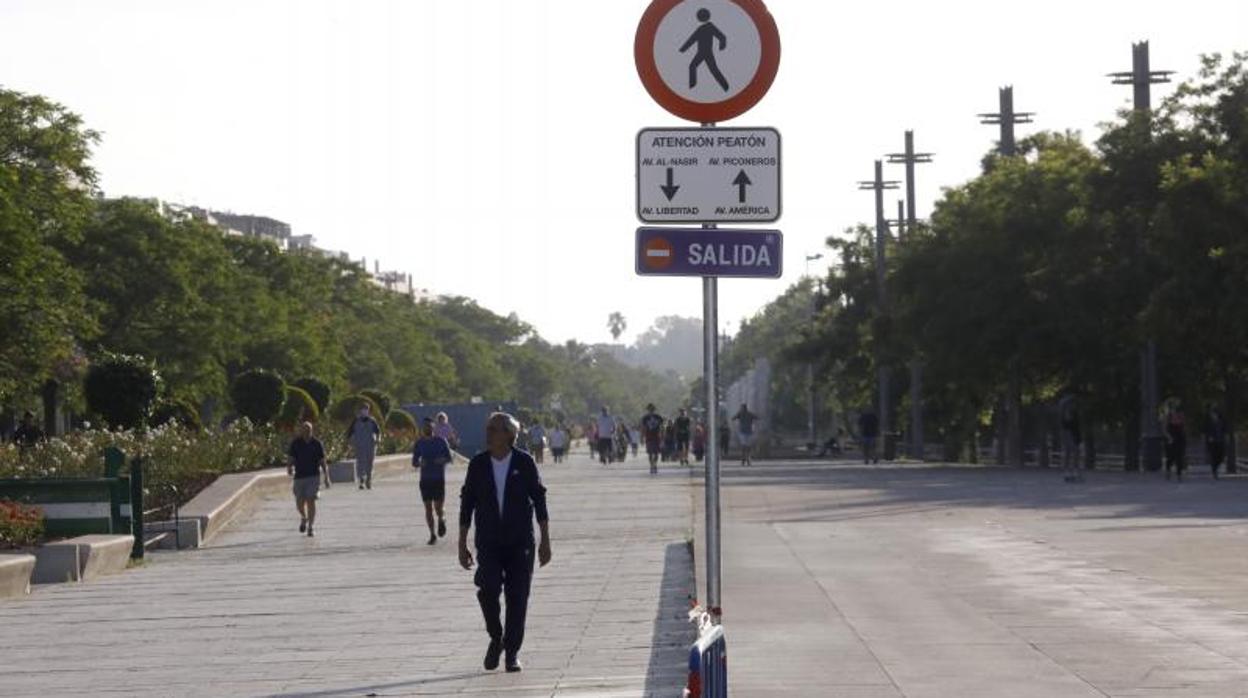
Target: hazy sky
487, 146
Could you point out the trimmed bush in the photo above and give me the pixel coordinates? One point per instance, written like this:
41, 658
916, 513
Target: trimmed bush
258, 395
121, 390
401, 423
317, 389
299, 407
345, 409
179, 412
381, 399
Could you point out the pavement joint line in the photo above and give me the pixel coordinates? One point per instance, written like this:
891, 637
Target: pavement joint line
831, 602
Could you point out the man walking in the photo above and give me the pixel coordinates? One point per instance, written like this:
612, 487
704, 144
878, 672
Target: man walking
1072, 438
363, 435
684, 428
558, 442
430, 455
307, 465
745, 433
652, 433
503, 493
606, 428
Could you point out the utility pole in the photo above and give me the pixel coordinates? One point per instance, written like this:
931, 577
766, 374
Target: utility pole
1141, 78
1006, 117
1007, 146
909, 158
812, 438
879, 186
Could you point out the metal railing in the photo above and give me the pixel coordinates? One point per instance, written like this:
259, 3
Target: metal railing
708, 662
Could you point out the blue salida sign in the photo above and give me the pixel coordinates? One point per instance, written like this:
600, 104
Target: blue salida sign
757, 254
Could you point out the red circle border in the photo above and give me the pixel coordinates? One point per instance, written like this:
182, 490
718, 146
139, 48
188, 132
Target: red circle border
707, 112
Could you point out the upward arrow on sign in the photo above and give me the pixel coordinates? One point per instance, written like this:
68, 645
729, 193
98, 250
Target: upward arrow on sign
742, 181
670, 188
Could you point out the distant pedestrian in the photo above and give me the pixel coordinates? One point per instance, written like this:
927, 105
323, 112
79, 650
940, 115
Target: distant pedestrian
307, 466
558, 442
652, 434
442, 428
683, 427
725, 440
605, 428
1072, 437
745, 433
430, 455
1215, 439
502, 494
1176, 440
537, 442
591, 438
634, 439
868, 433
363, 435
28, 434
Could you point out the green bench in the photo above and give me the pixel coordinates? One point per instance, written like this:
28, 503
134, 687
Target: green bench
82, 506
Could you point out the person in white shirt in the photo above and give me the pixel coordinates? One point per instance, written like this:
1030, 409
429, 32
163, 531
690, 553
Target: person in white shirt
537, 442
606, 436
558, 443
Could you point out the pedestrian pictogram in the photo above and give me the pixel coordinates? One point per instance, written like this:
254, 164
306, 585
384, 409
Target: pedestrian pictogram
705, 37
707, 60
700, 175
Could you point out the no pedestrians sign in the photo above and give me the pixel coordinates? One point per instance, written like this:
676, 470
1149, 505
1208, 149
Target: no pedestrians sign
707, 60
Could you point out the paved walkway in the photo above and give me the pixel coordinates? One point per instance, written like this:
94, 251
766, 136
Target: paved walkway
846, 581
366, 608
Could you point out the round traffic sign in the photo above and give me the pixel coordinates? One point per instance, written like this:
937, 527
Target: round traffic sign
707, 60
658, 254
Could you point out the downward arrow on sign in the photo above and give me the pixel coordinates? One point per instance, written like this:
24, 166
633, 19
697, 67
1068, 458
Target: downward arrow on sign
742, 181
670, 189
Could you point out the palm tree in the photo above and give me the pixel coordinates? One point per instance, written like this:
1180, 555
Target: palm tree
617, 324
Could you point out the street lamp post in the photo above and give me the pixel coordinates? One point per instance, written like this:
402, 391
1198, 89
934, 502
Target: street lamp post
811, 431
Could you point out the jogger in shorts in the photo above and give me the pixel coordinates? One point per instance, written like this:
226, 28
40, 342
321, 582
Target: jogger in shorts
430, 456
307, 465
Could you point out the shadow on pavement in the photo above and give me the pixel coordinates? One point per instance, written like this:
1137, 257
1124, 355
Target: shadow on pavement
372, 689
673, 633
856, 491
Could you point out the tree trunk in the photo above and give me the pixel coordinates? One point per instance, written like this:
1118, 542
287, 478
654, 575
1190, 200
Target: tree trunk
1014, 414
51, 407
1131, 443
1089, 449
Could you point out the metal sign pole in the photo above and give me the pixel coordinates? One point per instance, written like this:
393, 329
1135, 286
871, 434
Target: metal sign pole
710, 346
710, 360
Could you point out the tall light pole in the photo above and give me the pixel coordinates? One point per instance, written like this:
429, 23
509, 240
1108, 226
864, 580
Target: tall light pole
811, 431
1141, 77
909, 158
883, 375
1007, 146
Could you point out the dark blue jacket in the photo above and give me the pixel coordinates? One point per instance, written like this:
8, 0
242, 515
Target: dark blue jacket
525, 496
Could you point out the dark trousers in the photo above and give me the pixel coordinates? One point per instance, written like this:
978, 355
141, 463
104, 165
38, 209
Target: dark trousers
507, 570
1176, 455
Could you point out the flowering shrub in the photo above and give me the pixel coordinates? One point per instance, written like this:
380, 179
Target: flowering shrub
178, 462
20, 525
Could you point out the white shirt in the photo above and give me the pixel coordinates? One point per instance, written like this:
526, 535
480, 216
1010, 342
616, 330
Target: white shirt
606, 426
500, 478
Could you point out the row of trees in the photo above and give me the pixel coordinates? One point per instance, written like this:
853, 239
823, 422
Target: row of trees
1048, 272
82, 278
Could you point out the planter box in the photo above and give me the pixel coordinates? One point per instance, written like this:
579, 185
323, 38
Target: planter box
15, 572
82, 559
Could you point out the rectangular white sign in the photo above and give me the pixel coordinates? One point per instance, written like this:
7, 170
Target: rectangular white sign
708, 175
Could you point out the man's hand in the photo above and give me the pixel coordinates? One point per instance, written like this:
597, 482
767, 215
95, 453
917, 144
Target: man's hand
543, 552
465, 557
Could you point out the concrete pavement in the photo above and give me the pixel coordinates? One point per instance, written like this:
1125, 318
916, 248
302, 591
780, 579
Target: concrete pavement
884, 581
366, 608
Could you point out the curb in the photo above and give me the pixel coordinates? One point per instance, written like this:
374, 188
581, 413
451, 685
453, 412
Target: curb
81, 559
15, 573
